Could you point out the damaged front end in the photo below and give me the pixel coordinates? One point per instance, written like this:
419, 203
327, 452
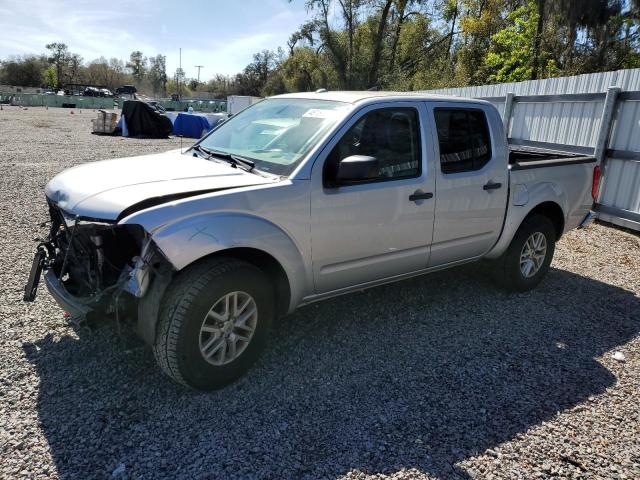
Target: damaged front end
91, 265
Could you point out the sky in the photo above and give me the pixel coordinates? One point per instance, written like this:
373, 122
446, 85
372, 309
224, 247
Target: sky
220, 35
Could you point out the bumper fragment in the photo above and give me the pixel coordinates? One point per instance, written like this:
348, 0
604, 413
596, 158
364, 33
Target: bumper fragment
589, 218
70, 304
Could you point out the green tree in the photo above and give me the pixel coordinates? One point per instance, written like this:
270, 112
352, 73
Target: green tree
255, 75
178, 85
378, 36
74, 66
305, 70
394, 44
24, 71
221, 86
59, 57
157, 74
49, 77
511, 57
137, 64
183, 90
109, 73
480, 20
333, 42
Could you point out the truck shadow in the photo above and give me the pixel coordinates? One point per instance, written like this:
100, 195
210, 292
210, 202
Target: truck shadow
420, 374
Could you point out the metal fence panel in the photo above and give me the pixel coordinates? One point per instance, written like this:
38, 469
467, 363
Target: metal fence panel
625, 133
572, 123
576, 122
621, 190
198, 106
39, 100
622, 186
588, 83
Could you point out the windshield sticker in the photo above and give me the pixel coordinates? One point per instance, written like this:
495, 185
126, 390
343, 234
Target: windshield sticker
319, 113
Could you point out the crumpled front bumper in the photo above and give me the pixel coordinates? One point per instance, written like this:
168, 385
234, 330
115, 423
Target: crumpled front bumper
70, 304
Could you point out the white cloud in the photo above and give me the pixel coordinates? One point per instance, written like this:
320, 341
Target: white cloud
220, 36
88, 30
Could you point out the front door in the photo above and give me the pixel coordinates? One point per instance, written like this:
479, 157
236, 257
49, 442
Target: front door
471, 182
373, 230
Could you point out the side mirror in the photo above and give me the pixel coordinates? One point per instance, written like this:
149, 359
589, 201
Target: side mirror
356, 169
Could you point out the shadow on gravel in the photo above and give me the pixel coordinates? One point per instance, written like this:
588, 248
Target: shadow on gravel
420, 374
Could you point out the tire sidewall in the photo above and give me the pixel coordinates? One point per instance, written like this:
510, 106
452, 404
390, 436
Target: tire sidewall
193, 367
536, 223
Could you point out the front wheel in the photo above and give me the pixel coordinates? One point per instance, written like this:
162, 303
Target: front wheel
527, 260
214, 321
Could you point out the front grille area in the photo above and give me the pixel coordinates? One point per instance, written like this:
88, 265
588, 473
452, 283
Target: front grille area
90, 256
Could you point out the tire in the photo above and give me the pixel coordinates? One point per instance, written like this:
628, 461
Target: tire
507, 269
193, 295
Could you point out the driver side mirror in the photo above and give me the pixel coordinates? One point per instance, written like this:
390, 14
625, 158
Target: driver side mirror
357, 169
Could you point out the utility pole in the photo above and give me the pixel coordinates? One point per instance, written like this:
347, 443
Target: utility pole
199, 67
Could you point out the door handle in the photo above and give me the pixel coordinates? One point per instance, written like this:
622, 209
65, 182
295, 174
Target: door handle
491, 186
418, 195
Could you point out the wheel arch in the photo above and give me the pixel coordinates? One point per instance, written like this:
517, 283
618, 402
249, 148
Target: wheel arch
269, 265
247, 237
255, 238
516, 215
553, 212
149, 305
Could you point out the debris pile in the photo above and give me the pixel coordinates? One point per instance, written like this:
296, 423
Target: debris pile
105, 122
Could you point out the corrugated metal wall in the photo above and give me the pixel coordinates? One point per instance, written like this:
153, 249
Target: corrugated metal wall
571, 123
589, 83
622, 186
577, 123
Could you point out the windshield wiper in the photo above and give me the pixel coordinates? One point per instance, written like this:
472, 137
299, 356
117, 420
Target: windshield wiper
200, 148
234, 160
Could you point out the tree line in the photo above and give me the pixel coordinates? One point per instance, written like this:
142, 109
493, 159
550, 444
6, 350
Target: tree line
414, 45
387, 44
60, 67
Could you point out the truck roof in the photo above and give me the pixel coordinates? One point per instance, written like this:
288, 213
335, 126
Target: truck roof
359, 96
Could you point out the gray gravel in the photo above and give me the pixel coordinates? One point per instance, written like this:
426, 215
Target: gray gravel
443, 376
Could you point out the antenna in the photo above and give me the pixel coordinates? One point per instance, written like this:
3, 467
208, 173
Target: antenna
199, 67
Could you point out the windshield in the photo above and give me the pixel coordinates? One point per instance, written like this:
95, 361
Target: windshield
276, 134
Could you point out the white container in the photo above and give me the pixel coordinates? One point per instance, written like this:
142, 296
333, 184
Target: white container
237, 103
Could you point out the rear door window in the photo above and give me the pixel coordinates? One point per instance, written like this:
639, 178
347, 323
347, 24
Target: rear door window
463, 137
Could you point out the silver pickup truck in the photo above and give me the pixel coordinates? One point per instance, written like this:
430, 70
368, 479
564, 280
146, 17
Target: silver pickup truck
299, 198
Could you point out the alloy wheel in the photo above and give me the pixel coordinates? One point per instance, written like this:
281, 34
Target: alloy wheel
533, 254
228, 328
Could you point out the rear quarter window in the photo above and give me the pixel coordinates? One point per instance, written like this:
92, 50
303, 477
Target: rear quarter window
463, 139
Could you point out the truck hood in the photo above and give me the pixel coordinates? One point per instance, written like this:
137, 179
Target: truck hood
104, 190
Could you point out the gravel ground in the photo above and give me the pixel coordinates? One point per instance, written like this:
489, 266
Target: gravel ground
442, 376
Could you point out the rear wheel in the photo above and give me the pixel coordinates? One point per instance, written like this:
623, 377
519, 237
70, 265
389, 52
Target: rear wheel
527, 260
214, 321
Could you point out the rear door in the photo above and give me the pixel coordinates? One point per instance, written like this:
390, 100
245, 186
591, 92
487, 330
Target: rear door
378, 229
471, 181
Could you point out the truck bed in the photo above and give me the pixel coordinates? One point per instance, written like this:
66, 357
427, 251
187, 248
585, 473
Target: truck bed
571, 174
523, 158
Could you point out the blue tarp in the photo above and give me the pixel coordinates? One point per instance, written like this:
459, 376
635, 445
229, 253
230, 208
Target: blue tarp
122, 125
190, 125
